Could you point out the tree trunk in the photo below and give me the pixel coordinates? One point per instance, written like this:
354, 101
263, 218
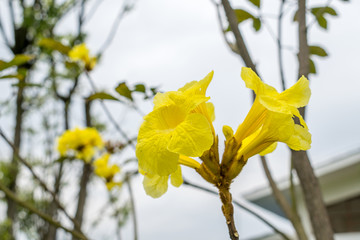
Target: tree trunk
309, 183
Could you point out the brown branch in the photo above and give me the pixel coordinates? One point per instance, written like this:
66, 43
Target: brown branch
240, 43
310, 185
85, 177
228, 211
109, 115
279, 44
44, 216
240, 206
2, 30
132, 204
124, 9
249, 63
36, 177
285, 206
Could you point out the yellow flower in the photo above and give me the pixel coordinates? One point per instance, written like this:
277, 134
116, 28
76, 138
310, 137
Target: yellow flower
106, 171
155, 185
102, 168
180, 124
81, 53
272, 118
80, 142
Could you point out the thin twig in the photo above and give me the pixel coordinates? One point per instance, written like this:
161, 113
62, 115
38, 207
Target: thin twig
92, 11
108, 114
40, 181
2, 30
309, 183
240, 43
285, 206
12, 15
44, 216
124, 8
240, 206
132, 205
279, 44
222, 28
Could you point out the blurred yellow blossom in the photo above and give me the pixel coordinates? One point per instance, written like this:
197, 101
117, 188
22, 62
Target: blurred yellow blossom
106, 171
80, 143
81, 53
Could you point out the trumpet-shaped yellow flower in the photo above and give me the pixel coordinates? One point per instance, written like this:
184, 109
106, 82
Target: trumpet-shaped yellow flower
80, 143
180, 124
277, 127
272, 117
81, 53
106, 171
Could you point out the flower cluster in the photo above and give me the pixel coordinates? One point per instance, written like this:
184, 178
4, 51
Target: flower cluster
180, 127
81, 53
106, 171
80, 143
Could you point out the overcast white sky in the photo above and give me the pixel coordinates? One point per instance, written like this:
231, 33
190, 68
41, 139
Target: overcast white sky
168, 43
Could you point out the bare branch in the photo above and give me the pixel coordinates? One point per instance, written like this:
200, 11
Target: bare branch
279, 44
92, 11
309, 183
44, 216
2, 30
36, 176
240, 206
132, 204
285, 206
240, 43
124, 9
109, 115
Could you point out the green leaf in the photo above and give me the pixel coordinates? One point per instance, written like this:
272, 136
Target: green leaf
318, 51
124, 91
255, 2
154, 91
322, 10
52, 44
242, 15
140, 88
319, 13
312, 67
102, 95
256, 24
18, 60
295, 18
322, 22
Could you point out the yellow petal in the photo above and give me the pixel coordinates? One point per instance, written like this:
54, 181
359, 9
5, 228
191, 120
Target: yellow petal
154, 157
298, 95
198, 87
176, 178
273, 104
155, 185
192, 137
253, 121
301, 140
211, 111
253, 82
268, 150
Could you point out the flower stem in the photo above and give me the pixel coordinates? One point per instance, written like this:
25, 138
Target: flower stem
228, 211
